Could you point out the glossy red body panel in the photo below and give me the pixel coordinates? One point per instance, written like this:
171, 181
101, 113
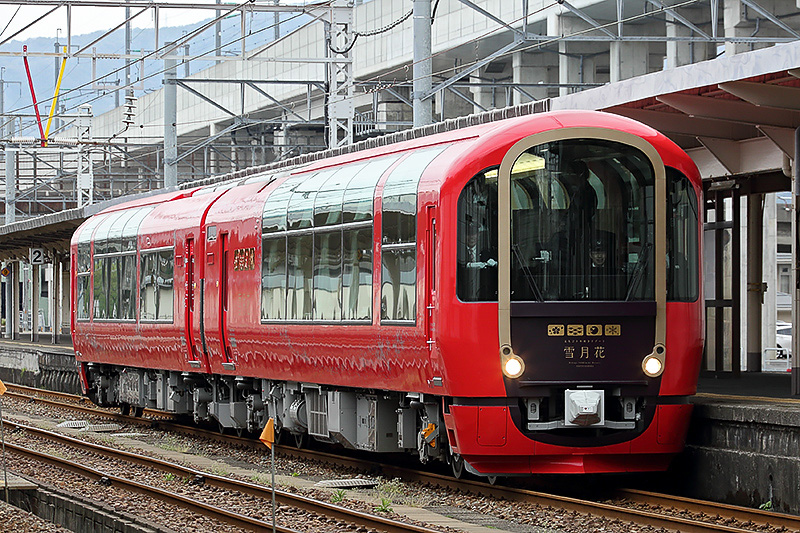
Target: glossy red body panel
464, 345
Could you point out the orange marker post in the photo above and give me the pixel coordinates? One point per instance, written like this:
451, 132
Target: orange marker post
268, 438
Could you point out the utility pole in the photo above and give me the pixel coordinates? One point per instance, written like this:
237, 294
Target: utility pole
170, 122
128, 90
423, 64
85, 163
218, 34
56, 68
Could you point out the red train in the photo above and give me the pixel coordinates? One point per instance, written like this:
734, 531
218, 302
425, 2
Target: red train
515, 297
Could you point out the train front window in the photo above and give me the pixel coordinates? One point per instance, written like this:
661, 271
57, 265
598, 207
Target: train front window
582, 222
582, 225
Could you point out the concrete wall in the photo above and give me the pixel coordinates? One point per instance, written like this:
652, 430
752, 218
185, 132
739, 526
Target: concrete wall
743, 454
77, 514
53, 370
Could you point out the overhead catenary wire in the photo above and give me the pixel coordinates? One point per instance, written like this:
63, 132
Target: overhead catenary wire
171, 47
405, 67
438, 73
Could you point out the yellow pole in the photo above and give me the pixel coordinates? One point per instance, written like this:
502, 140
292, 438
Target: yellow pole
55, 96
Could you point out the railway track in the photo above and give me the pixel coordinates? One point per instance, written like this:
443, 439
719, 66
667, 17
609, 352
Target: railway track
283, 498
673, 513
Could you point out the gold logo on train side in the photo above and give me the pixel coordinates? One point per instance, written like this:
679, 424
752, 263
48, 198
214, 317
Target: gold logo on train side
575, 330
555, 330
244, 259
594, 330
613, 330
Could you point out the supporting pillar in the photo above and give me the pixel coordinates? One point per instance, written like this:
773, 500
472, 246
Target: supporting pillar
35, 292
528, 68
576, 61
65, 323
9, 296
755, 280
11, 186
170, 123
55, 300
423, 63
628, 59
796, 266
15, 297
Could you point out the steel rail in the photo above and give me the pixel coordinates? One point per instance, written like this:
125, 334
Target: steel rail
22, 391
724, 510
217, 513
587, 507
243, 487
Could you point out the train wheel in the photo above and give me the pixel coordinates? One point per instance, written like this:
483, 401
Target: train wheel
138, 411
300, 440
125, 409
457, 464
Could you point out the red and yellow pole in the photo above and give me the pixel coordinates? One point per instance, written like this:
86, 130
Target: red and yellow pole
55, 97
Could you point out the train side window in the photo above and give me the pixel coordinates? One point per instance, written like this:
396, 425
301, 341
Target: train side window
127, 287
682, 241
328, 275
329, 199
112, 287
301, 204
83, 266
316, 261
274, 216
100, 301
399, 235
357, 274
273, 278
359, 196
147, 286
300, 278
166, 298
156, 294
476, 276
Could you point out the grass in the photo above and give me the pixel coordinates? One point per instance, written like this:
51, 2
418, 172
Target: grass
385, 506
338, 496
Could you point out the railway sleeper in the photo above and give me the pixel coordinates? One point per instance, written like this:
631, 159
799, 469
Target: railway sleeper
360, 419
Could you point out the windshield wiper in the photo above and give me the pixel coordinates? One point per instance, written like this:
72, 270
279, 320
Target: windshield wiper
537, 294
638, 270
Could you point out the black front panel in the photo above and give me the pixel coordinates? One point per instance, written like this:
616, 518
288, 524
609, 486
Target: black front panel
593, 343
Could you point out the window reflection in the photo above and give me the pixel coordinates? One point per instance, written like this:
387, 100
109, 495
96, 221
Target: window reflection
682, 255
273, 278
317, 244
399, 236
582, 225
357, 274
300, 277
156, 294
328, 275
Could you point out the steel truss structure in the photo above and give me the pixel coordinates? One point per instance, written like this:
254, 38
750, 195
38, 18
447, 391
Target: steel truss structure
244, 139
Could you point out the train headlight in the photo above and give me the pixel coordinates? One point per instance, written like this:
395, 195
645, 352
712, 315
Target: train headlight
653, 364
513, 366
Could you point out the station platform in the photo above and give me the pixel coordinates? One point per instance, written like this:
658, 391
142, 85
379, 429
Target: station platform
743, 445
751, 384
15, 482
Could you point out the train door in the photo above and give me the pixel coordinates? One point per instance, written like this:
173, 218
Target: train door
430, 279
193, 352
224, 290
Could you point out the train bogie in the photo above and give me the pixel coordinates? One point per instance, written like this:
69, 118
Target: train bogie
515, 297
